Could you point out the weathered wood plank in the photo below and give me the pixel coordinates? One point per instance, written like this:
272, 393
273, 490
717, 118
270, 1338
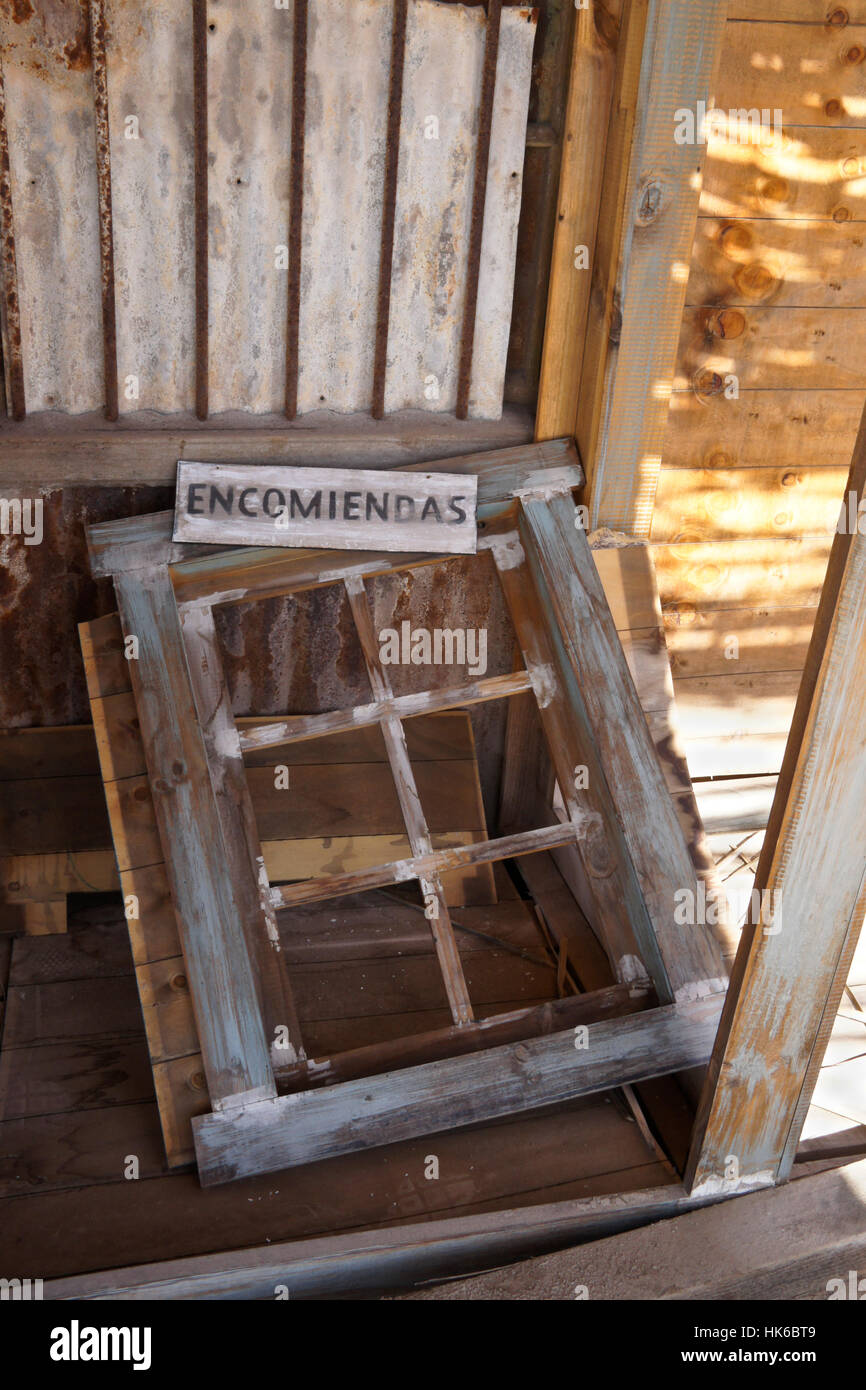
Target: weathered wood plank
668, 57
590, 88
240, 837
813, 870
587, 1149
766, 348
444, 1095
558, 553
425, 867
233, 1042
84, 452
71, 1009
796, 262
825, 89
346, 509
78, 1149
73, 1076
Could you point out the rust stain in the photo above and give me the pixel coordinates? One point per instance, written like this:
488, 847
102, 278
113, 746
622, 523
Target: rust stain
106, 230
9, 270
52, 32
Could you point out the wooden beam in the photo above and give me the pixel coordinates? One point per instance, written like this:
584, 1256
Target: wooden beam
811, 884
804, 1242
382, 1258
85, 451
244, 860
667, 60
591, 79
444, 1095
584, 638
235, 1050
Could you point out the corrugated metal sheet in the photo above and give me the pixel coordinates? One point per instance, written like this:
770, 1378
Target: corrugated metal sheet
149, 51
149, 56
348, 68
249, 81
52, 141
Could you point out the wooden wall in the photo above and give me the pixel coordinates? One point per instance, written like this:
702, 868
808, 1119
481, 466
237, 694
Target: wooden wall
750, 487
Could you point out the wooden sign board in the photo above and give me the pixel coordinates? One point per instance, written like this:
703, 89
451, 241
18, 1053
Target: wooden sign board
326, 508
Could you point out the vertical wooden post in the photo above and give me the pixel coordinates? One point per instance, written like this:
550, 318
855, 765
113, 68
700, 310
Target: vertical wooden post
667, 60
590, 86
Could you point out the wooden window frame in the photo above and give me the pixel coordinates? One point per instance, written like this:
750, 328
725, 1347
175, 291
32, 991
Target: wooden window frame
248, 1028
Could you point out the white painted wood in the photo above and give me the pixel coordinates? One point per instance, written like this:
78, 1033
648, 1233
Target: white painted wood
348, 509
249, 91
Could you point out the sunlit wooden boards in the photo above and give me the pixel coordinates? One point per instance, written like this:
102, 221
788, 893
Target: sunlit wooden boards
51, 136
251, 96
767, 393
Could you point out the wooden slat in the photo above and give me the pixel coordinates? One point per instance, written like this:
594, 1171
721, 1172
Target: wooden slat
240, 837
737, 502
268, 733
591, 80
448, 1094
411, 808
230, 1028
796, 262
767, 348
789, 973
619, 911
425, 867
824, 89
78, 1149
558, 554
668, 57
73, 1076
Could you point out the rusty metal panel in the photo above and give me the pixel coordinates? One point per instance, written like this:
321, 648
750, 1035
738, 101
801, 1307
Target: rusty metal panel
348, 67
501, 213
445, 51
150, 100
52, 156
249, 81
